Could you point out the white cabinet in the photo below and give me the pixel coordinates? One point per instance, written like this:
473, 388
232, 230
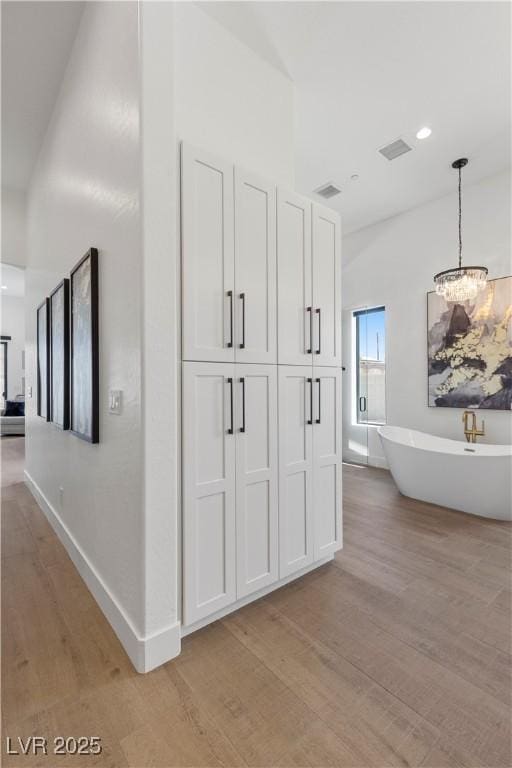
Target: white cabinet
256, 477
309, 282
207, 233
255, 269
209, 491
296, 545
228, 262
230, 476
326, 302
309, 465
327, 464
294, 301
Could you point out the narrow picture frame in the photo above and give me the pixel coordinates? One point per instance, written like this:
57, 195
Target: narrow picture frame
43, 360
59, 355
84, 348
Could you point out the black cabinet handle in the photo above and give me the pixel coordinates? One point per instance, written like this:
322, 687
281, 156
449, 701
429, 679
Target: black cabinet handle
310, 382
362, 399
230, 382
310, 350
318, 381
230, 297
319, 313
242, 382
242, 343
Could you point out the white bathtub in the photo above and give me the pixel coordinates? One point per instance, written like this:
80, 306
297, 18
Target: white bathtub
471, 477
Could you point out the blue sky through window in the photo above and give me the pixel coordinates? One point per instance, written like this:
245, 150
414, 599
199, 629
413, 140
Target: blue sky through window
373, 347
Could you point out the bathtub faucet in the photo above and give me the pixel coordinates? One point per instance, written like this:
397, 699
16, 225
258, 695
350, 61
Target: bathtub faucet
473, 433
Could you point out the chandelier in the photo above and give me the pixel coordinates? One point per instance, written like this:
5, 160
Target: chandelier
460, 283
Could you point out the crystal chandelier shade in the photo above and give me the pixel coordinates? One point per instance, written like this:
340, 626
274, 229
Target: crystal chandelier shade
460, 283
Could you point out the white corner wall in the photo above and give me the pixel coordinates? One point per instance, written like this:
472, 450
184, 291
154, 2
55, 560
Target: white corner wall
85, 192
230, 101
13, 227
392, 263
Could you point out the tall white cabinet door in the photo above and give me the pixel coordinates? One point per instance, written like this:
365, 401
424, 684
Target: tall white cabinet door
209, 556
326, 286
207, 256
327, 465
294, 295
255, 269
296, 546
256, 477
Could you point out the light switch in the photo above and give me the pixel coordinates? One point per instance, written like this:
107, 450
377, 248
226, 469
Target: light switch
116, 401
29, 391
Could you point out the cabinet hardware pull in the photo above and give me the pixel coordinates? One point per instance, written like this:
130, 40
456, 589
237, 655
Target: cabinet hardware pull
230, 296
319, 382
318, 312
362, 399
309, 351
230, 382
310, 382
242, 343
242, 382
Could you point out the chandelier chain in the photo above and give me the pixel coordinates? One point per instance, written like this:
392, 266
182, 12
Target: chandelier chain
460, 217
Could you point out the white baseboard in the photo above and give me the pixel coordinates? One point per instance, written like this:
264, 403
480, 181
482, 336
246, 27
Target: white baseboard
145, 653
187, 630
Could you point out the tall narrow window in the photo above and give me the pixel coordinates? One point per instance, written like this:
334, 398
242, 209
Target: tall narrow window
3, 373
370, 331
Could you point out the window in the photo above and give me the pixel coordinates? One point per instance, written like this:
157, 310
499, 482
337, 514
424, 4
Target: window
370, 332
3, 373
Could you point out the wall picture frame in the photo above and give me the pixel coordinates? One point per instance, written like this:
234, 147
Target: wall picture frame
84, 348
59, 355
470, 349
43, 360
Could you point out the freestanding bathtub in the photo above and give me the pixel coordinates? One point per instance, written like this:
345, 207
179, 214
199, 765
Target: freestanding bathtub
470, 477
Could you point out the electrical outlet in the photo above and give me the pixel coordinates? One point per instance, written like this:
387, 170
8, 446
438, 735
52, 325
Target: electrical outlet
116, 401
29, 392
61, 496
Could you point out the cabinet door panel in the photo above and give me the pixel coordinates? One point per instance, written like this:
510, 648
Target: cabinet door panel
256, 477
326, 286
296, 546
209, 567
294, 279
207, 256
255, 269
327, 466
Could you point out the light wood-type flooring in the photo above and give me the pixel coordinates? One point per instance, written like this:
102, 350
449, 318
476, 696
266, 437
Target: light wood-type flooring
396, 654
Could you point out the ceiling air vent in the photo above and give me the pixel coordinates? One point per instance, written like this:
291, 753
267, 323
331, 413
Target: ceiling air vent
328, 190
395, 149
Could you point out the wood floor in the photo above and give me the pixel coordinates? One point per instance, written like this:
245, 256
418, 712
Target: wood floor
397, 654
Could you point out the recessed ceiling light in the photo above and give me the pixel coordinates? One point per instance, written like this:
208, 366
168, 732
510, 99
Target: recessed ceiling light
424, 133
4, 287
354, 177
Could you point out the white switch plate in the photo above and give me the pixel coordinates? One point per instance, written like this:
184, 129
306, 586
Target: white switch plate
116, 401
29, 391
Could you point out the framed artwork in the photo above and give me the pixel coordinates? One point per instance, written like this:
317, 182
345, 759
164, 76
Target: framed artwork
43, 360
84, 353
470, 349
59, 355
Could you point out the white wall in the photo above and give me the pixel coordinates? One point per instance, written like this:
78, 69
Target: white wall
230, 101
13, 226
13, 325
85, 192
393, 263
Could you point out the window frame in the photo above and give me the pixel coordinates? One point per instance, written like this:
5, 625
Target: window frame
356, 315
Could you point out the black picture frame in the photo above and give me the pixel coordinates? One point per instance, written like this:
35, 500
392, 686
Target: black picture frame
89, 260
43, 354
63, 288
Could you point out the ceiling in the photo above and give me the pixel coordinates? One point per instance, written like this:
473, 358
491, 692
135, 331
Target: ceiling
367, 73
12, 280
36, 42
